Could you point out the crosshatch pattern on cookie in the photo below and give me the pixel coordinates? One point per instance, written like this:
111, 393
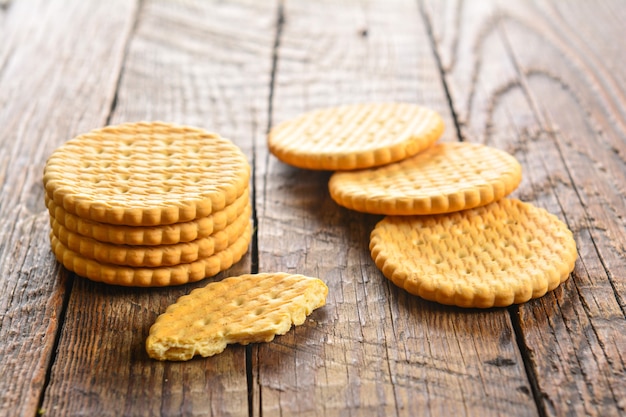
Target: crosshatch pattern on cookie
244, 309
146, 174
152, 256
507, 252
151, 235
355, 136
444, 178
152, 277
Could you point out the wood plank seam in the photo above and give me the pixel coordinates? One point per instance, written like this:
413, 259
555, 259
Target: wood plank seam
69, 284
442, 70
120, 75
254, 246
280, 23
527, 360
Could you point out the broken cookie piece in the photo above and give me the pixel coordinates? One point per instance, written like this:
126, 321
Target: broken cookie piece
244, 309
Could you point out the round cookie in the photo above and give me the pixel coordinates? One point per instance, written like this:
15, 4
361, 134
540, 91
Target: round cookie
445, 178
146, 174
150, 235
152, 277
355, 136
507, 252
151, 256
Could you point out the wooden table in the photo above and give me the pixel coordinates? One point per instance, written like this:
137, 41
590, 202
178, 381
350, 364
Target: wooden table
543, 80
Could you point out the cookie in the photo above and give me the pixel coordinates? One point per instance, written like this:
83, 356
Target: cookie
151, 256
445, 178
152, 277
146, 174
355, 136
504, 253
151, 235
243, 309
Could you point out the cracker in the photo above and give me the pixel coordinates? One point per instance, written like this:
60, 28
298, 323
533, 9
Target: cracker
444, 178
151, 235
151, 256
507, 252
152, 277
146, 174
245, 309
355, 136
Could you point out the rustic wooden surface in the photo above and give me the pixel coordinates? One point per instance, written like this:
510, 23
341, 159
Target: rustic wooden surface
541, 79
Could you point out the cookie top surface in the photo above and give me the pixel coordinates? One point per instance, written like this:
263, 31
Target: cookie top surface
243, 309
146, 174
152, 277
505, 253
355, 136
151, 235
445, 178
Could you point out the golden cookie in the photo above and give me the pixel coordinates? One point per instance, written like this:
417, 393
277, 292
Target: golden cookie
355, 136
151, 256
146, 174
151, 235
244, 309
152, 277
445, 178
501, 254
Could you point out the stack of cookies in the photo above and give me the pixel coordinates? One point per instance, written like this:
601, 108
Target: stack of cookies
450, 234
148, 204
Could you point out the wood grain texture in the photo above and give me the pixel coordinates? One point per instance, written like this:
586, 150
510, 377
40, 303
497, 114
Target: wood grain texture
373, 349
50, 89
541, 80
206, 64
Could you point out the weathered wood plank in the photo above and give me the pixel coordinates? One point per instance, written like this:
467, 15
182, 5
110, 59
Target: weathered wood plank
373, 349
207, 64
59, 63
542, 81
